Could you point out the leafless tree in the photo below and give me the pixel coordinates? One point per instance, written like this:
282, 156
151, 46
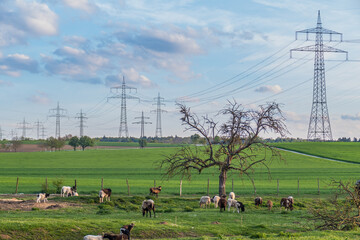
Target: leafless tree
240, 148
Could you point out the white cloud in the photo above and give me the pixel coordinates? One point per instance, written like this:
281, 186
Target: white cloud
355, 117
40, 98
13, 64
5, 83
82, 5
269, 88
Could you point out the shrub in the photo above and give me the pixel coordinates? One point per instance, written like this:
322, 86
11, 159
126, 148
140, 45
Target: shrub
58, 184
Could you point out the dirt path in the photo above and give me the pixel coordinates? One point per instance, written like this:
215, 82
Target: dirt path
28, 205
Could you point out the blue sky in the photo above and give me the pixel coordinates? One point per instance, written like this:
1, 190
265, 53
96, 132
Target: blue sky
201, 53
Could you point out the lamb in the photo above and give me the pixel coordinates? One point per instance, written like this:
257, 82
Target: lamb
104, 193
232, 195
66, 191
93, 237
42, 196
234, 203
155, 191
147, 206
215, 200
126, 229
222, 203
258, 201
269, 204
286, 203
205, 200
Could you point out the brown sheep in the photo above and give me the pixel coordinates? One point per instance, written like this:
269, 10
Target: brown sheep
258, 201
147, 206
126, 229
286, 203
269, 204
222, 203
155, 191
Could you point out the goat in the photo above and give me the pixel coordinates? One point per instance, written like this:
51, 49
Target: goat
286, 203
232, 195
66, 191
126, 229
258, 201
93, 237
155, 190
42, 196
234, 203
215, 200
205, 200
147, 206
222, 203
269, 204
104, 193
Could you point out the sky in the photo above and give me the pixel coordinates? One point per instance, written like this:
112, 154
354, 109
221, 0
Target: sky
200, 53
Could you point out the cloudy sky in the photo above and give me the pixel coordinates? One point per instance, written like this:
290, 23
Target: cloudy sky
201, 53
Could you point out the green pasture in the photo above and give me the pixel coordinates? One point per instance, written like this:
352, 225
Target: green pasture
346, 151
139, 167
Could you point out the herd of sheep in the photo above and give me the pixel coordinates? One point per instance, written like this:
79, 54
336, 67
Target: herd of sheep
148, 206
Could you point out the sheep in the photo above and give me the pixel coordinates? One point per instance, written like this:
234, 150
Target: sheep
155, 191
269, 204
104, 193
222, 203
147, 206
205, 200
42, 196
232, 195
286, 203
258, 201
291, 199
215, 200
126, 229
66, 191
111, 236
238, 205
93, 237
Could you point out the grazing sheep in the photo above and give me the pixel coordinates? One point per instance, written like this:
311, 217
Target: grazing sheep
66, 191
42, 196
215, 200
291, 199
269, 204
111, 236
234, 203
258, 201
75, 194
126, 229
222, 203
93, 237
286, 203
104, 193
232, 195
205, 200
147, 206
155, 191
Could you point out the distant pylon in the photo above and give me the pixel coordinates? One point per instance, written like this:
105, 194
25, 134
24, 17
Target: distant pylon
319, 125
58, 113
42, 132
81, 116
158, 131
142, 122
23, 126
123, 129
38, 126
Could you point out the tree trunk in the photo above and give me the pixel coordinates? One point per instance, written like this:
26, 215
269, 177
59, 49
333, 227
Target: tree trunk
222, 182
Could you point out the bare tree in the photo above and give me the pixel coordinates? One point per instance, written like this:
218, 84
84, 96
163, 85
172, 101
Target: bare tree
240, 148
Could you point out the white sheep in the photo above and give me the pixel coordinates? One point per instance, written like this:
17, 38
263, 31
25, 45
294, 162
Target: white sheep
236, 204
215, 200
42, 196
66, 190
93, 237
232, 195
205, 200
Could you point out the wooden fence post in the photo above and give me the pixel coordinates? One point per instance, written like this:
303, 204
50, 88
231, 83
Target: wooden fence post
102, 183
128, 187
208, 185
278, 187
46, 185
232, 185
298, 186
17, 185
180, 187
318, 186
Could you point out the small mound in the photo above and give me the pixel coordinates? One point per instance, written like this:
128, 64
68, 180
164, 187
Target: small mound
11, 200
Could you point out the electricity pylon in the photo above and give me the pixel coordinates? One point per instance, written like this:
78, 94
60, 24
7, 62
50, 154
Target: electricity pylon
24, 126
81, 116
142, 122
58, 113
319, 125
38, 125
123, 118
158, 131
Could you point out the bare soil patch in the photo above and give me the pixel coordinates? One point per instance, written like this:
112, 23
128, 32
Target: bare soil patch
28, 205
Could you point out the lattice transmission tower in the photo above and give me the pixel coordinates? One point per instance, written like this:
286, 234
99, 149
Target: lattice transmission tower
159, 100
24, 127
142, 123
319, 125
38, 126
123, 129
58, 113
82, 117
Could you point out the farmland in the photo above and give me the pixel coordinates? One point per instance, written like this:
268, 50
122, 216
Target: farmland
177, 216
